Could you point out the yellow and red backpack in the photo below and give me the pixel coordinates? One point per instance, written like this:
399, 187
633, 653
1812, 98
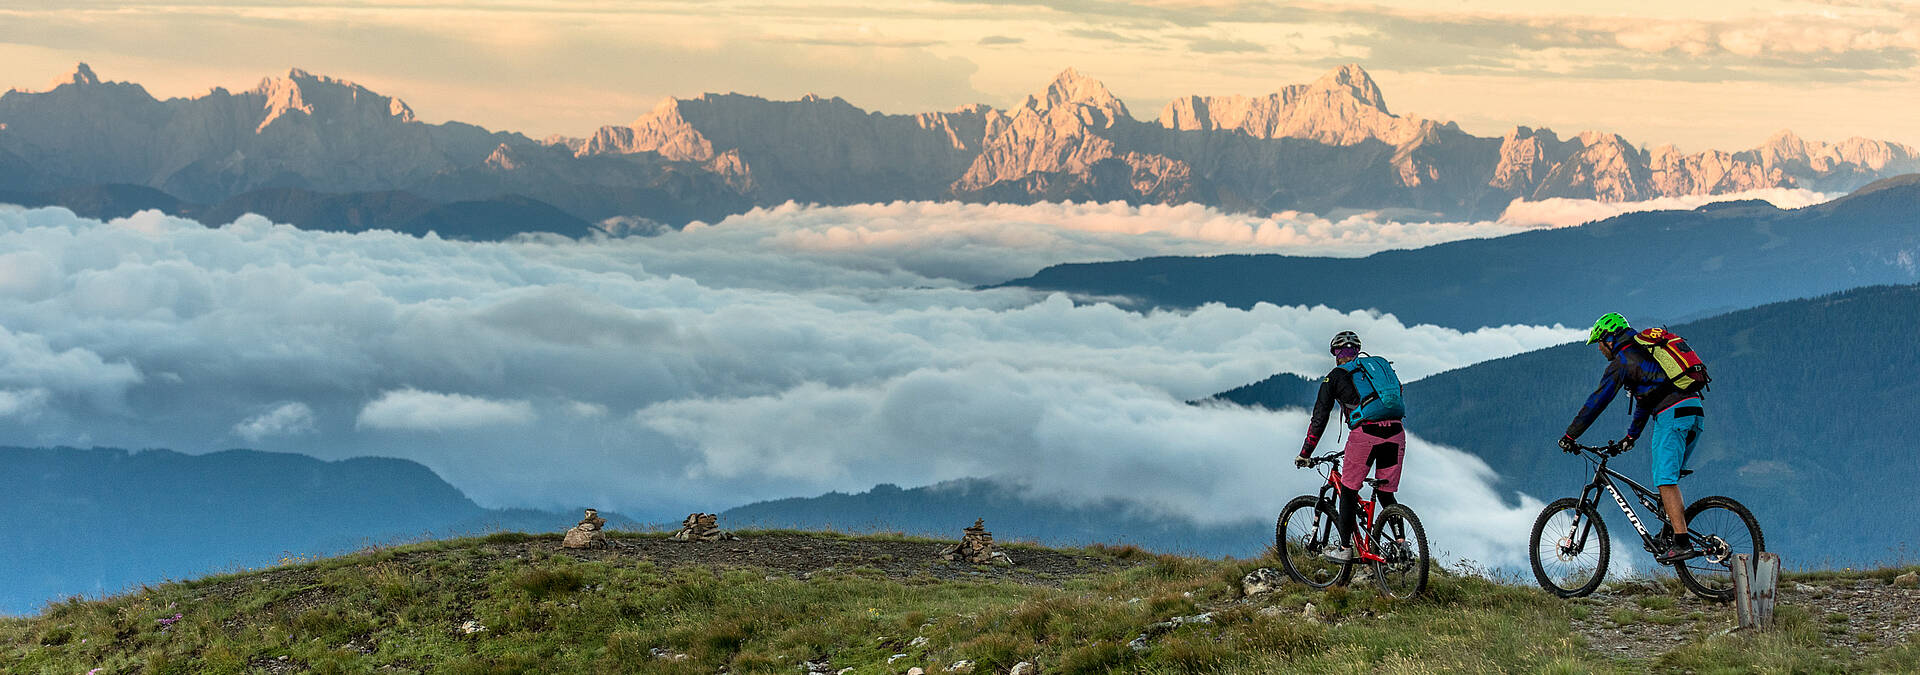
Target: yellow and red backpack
1682, 366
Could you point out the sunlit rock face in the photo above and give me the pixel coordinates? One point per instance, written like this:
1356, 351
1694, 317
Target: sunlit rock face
1324, 146
1343, 107
297, 130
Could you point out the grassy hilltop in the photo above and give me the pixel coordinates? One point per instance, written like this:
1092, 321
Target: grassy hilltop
788, 602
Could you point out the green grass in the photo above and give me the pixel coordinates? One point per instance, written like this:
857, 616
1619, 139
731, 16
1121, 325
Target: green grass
1654, 602
403, 609
1625, 616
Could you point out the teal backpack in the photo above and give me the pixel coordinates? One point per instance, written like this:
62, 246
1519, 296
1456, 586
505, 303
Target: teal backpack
1379, 391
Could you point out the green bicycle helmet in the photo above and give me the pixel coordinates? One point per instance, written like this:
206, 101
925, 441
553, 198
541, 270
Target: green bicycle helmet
1608, 324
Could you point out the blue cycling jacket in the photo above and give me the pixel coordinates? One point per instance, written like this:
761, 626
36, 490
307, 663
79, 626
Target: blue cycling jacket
1634, 370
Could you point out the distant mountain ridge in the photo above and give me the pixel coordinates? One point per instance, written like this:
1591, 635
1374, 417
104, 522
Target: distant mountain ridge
1012, 514
1324, 146
1331, 144
1663, 266
318, 134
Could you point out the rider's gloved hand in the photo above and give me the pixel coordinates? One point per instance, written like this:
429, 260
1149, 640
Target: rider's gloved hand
1568, 444
1623, 445
1302, 462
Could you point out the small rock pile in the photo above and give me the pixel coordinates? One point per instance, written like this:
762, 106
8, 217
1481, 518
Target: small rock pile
1261, 581
976, 546
702, 527
588, 534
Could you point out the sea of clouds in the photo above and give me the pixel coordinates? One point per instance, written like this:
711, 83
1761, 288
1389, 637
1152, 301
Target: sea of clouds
889, 245
1562, 212
784, 352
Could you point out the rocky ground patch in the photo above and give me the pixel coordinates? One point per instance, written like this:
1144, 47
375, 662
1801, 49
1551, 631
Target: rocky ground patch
1639, 619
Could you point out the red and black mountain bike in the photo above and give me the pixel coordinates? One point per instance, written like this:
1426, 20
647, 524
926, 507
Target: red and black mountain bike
1392, 544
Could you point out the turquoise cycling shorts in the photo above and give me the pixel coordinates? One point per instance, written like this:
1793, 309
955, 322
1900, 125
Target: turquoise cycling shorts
1670, 439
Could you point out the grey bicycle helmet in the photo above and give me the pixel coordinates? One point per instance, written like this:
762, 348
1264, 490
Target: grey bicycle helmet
1345, 338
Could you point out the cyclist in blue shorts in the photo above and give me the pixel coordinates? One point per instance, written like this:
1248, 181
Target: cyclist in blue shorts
1677, 416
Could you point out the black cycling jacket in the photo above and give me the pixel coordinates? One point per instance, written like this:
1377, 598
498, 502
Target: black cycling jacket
1336, 387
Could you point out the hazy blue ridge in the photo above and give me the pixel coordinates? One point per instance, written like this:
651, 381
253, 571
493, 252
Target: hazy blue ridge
1282, 390
94, 521
1660, 265
944, 509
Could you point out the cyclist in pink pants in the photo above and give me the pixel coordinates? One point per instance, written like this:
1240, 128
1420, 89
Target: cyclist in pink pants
1380, 444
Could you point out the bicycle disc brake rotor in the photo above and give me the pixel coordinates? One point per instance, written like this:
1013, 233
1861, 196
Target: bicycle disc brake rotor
1567, 549
1399, 554
1718, 551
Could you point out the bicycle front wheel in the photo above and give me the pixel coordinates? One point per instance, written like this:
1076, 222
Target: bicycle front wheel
1721, 528
1305, 529
1569, 548
1398, 537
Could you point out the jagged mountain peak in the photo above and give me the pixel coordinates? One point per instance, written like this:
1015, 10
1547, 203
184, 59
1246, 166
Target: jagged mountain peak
304, 92
1591, 138
1071, 87
1355, 81
1342, 107
1785, 143
82, 75
84, 79
1524, 132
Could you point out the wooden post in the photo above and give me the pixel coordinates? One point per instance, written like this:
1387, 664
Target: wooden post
1743, 591
1766, 584
1756, 580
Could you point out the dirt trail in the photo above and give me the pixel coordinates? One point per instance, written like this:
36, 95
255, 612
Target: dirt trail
1641, 620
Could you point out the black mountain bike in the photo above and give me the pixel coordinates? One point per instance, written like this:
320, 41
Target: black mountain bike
1569, 545
1394, 543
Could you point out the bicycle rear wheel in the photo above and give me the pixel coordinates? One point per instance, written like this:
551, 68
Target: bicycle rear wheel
1722, 528
1398, 537
1299, 538
1569, 561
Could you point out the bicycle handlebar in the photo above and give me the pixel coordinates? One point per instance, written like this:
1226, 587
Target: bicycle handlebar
1611, 449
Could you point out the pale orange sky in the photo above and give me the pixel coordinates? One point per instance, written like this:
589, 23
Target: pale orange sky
1708, 73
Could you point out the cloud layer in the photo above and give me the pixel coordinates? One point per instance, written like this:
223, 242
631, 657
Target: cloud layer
415, 410
767, 356
973, 244
1570, 212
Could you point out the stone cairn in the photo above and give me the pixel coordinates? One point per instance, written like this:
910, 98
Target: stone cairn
976, 546
702, 527
590, 533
